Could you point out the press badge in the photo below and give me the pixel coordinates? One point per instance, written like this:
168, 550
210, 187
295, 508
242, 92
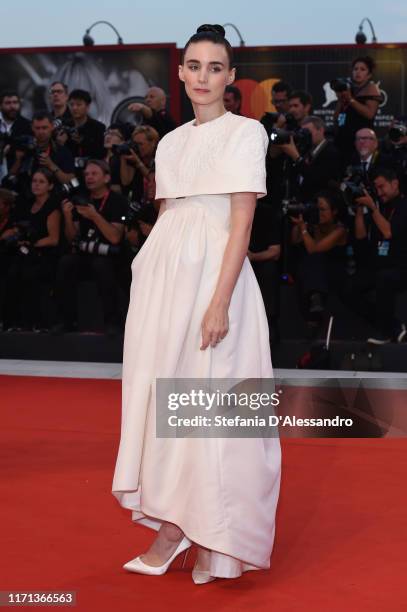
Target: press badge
341, 119
383, 248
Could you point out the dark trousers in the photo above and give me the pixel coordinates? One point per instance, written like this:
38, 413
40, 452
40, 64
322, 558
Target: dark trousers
75, 267
389, 281
372, 294
318, 273
268, 277
27, 276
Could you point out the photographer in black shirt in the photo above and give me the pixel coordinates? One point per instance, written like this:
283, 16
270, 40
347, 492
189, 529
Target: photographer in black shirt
386, 252
113, 142
58, 97
319, 167
86, 138
358, 103
154, 112
94, 227
264, 255
12, 126
39, 151
32, 243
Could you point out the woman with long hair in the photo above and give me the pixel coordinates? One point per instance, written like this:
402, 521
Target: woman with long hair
196, 311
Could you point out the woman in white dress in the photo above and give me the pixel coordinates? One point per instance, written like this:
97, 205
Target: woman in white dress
196, 311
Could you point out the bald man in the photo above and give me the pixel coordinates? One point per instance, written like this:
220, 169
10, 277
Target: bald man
154, 111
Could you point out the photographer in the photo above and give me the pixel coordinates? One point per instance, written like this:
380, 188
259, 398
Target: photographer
7, 231
113, 142
279, 98
318, 167
299, 106
322, 253
58, 97
281, 174
232, 99
87, 136
395, 148
264, 255
385, 266
33, 245
95, 231
154, 111
137, 164
12, 125
358, 102
39, 151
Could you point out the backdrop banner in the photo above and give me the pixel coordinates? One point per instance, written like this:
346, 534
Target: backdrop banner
114, 76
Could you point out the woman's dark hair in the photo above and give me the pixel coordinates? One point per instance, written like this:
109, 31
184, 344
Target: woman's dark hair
214, 33
47, 174
367, 60
335, 199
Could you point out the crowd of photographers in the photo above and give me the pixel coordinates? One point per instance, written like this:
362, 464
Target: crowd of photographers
77, 201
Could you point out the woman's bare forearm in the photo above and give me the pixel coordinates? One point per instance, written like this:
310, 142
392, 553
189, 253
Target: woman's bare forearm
242, 212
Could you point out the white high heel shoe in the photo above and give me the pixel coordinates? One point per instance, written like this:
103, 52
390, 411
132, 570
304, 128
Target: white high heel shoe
138, 566
202, 576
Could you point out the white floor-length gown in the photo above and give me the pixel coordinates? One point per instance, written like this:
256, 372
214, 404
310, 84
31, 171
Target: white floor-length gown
222, 492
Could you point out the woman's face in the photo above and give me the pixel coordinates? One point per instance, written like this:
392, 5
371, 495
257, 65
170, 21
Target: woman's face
360, 73
146, 147
326, 214
206, 72
39, 185
112, 137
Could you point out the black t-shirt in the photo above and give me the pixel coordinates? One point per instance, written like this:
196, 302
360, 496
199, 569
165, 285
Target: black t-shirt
66, 117
162, 122
61, 156
113, 208
395, 212
92, 133
350, 121
35, 224
266, 228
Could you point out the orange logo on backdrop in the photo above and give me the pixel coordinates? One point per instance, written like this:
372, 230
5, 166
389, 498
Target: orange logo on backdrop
256, 97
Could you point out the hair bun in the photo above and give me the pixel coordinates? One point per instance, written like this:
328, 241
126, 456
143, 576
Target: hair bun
216, 28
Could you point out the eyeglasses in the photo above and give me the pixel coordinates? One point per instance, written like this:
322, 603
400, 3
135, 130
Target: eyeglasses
57, 91
365, 138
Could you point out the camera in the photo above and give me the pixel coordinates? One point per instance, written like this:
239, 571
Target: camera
271, 118
397, 132
25, 233
80, 162
308, 210
73, 191
140, 211
126, 148
302, 138
340, 85
94, 245
354, 186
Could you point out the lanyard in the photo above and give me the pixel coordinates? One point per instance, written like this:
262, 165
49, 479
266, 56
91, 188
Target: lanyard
103, 202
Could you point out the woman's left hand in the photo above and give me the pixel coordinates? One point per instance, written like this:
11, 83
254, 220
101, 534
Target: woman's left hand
298, 220
215, 326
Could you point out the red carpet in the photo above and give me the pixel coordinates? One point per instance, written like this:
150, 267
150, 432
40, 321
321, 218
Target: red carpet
341, 529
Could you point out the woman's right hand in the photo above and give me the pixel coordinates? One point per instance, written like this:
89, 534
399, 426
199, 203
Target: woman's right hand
67, 207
